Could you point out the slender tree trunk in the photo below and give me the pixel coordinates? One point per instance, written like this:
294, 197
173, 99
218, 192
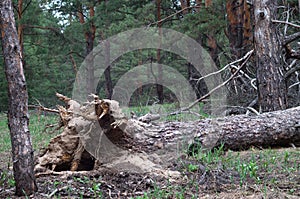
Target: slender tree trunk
184, 4
18, 119
211, 41
159, 87
239, 27
272, 91
89, 39
108, 81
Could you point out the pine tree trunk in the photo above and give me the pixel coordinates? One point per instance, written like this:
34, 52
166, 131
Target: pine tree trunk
272, 91
239, 27
211, 40
159, 87
89, 39
108, 81
18, 119
184, 4
20, 29
240, 132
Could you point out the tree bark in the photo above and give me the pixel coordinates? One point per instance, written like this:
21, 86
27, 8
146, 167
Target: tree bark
108, 81
272, 91
184, 4
89, 39
83, 142
211, 40
240, 132
239, 27
18, 119
20, 28
159, 87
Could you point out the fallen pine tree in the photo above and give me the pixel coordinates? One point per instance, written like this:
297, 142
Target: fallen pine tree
240, 132
97, 132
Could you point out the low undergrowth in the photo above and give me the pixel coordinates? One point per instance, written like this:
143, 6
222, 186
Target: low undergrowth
267, 173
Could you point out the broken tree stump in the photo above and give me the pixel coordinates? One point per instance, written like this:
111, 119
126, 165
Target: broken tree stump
240, 132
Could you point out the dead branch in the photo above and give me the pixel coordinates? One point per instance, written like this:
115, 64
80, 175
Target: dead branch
57, 31
172, 15
286, 22
291, 71
246, 58
149, 118
57, 190
228, 65
42, 108
290, 38
49, 126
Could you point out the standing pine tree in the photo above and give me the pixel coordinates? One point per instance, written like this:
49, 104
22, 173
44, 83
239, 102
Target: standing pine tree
272, 91
18, 118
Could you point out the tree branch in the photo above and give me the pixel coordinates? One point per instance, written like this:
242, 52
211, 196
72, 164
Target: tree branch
27, 5
42, 108
43, 28
225, 67
291, 38
246, 58
291, 71
286, 22
160, 21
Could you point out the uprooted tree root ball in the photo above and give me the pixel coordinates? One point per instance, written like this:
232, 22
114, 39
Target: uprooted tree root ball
67, 151
97, 134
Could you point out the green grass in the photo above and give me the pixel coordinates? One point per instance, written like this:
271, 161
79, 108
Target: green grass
37, 123
165, 109
4, 134
268, 169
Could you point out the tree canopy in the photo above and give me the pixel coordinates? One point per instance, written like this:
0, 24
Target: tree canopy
55, 36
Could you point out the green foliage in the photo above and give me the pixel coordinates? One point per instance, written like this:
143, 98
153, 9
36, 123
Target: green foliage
54, 40
55, 34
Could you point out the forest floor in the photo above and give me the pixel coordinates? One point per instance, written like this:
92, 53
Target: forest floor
255, 173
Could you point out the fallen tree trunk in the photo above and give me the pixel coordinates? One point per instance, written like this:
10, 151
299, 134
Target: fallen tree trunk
97, 133
240, 132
